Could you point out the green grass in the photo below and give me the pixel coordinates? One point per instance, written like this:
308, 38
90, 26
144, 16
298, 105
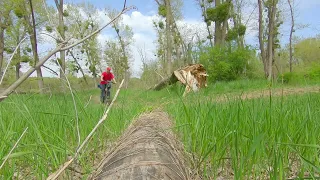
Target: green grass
251, 137
52, 134
246, 137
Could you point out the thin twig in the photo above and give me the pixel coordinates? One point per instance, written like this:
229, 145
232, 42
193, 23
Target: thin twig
15, 145
56, 174
50, 22
98, 30
88, 102
8, 64
51, 70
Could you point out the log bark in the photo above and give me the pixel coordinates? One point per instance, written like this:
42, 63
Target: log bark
147, 150
166, 82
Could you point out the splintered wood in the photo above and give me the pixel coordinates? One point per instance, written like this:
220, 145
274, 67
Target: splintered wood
192, 76
147, 150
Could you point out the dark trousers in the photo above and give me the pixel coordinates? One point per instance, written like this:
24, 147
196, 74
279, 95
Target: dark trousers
105, 92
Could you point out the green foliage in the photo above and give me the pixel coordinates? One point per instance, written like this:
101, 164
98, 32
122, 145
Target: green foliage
232, 34
65, 13
18, 12
162, 11
28, 49
302, 74
210, 1
227, 64
8, 50
219, 13
314, 72
242, 30
307, 50
49, 29
161, 25
25, 59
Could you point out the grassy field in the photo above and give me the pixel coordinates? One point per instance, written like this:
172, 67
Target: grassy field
266, 138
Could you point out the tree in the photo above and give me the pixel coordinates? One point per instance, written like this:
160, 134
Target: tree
14, 35
204, 5
5, 10
268, 34
165, 10
61, 31
125, 38
291, 3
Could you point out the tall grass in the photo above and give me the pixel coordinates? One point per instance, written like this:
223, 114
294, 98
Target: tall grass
273, 138
52, 134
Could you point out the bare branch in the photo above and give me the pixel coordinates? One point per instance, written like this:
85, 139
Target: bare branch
29, 72
15, 145
98, 30
51, 70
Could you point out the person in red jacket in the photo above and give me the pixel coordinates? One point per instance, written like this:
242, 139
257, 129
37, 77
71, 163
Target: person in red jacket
106, 79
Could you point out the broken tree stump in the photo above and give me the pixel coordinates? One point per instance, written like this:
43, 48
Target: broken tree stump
147, 150
193, 76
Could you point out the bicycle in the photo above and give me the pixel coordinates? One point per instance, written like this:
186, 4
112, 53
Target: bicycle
105, 92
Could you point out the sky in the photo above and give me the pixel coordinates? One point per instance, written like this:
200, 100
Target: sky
140, 20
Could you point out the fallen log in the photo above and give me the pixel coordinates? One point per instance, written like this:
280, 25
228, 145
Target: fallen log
194, 76
147, 150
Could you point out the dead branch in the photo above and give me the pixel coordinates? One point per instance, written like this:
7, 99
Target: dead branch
56, 174
51, 70
15, 145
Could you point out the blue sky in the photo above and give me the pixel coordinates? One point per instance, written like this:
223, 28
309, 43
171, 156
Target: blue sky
308, 13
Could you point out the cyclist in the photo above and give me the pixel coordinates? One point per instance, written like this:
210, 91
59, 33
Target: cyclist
106, 79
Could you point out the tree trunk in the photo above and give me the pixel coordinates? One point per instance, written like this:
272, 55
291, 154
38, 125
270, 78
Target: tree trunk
261, 39
62, 33
17, 66
217, 28
291, 34
17, 70
169, 36
126, 71
203, 8
1, 49
271, 16
33, 38
224, 31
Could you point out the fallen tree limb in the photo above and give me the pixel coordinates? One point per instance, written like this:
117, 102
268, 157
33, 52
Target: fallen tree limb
194, 76
61, 47
56, 174
170, 80
15, 145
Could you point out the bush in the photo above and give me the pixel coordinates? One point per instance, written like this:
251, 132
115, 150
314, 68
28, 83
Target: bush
227, 64
301, 74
